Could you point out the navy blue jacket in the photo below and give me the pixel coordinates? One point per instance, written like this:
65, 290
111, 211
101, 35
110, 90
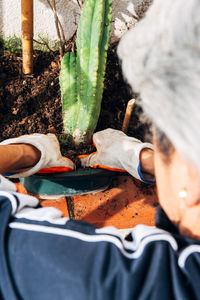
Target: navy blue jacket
44, 256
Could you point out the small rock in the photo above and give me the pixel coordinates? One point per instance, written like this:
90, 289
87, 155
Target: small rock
15, 111
22, 122
51, 129
53, 64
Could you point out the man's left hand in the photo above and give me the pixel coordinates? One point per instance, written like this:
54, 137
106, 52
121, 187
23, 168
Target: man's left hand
50, 160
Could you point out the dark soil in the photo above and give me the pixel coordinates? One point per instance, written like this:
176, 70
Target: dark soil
32, 104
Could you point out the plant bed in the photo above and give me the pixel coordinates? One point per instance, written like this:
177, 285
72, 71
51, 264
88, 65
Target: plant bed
33, 104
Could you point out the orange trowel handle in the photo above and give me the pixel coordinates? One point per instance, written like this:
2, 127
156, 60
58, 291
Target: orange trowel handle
54, 170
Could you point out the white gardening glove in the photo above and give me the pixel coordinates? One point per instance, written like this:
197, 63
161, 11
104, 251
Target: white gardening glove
7, 185
51, 157
116, 151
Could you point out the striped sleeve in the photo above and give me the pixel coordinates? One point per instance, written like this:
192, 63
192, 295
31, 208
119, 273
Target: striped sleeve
46, 256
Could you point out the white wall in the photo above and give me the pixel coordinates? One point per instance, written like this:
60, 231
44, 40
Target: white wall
68, 12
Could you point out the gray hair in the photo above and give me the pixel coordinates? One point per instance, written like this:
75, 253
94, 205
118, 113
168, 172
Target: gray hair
161, 60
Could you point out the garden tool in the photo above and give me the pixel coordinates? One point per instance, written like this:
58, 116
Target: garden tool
116, 152
51, 159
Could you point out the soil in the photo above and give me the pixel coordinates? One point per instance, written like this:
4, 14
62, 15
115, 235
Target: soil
30, 104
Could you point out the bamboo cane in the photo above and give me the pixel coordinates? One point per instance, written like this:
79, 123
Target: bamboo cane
27, 35
127, 116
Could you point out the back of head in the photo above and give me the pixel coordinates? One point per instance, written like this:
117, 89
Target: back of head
161, 60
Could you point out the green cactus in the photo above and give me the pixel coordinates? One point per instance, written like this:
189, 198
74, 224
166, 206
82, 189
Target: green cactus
81, 77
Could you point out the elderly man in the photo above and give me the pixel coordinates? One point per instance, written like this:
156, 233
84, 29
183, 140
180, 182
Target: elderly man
44, 256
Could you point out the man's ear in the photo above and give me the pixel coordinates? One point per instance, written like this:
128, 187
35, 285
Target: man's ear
192, 185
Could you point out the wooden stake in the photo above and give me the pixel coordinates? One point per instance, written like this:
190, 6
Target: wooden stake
27, 35
127, 116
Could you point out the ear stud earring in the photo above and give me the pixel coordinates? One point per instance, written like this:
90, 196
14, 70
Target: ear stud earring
182, 193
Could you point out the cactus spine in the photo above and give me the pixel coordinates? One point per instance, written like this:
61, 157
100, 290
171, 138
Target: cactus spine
81, 77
